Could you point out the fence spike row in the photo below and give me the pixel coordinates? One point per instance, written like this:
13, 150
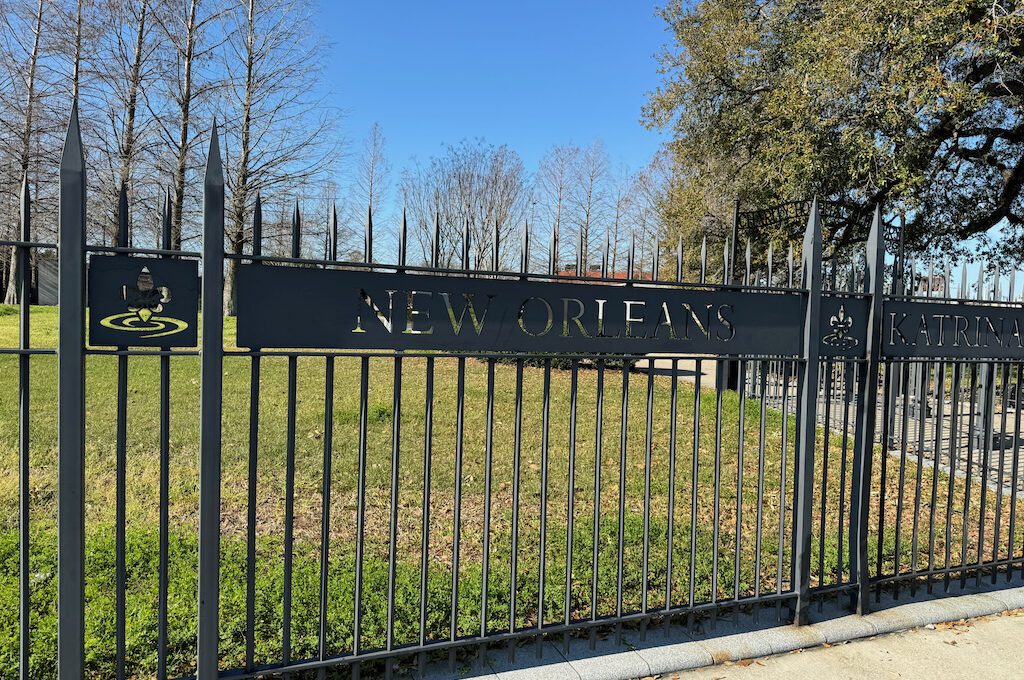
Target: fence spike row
403, 236
214, 165
947, 286
604, 254
122, 216
579, 254
704, 259
435, 243
726, 249
257, 227
1012, 285
368, 237
553, 251
296, 229
981, 281
333, 228
655, 268
465, 245
931, 276
72, 157
496, 250
746, 280
963, 280
524, 256
679, 260
789, 260
631, 259
771, 264
165, 220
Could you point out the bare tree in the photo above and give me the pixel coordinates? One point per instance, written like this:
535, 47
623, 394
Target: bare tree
369, 190
127, 136
473, 185
186, 87
554, 182
277, 133
589, 195
23, 33
621, 199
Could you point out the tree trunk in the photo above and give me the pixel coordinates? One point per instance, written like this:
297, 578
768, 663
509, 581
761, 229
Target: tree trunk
184, 104
11, 294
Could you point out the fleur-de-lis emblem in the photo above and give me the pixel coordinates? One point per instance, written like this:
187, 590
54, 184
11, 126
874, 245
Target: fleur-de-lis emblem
841, 324
145, 302
144, 298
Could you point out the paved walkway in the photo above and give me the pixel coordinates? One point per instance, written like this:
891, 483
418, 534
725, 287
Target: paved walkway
987, 647
899, 633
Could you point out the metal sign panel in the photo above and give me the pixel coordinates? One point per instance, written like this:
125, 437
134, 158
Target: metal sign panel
291, 307
962, 330
143, 302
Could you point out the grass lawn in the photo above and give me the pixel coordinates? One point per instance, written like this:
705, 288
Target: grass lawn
738, 502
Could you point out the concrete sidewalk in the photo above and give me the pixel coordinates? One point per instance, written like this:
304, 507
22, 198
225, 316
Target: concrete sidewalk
738, 643
986, 647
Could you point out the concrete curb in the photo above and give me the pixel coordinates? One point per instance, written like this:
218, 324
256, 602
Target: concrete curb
673, 648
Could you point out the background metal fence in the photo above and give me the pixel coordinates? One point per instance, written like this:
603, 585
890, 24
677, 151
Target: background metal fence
363, 512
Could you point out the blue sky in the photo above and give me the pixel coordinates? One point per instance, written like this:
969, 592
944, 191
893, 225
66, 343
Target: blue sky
530, 73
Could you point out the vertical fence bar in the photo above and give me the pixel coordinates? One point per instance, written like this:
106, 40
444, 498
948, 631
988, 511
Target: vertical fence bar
325, 517
165, 468
121, 465
598, 445
648, 456
623, 447
24, 422
396, 452
211, 377
672, 430
289, 474
517, 450
544, 460
71, 409
954, 423
357, 614
741, 367
570, 510
867, 404
694, 477
488, 474
428, 442
254, 447
460, 421
1011, 539
808, 417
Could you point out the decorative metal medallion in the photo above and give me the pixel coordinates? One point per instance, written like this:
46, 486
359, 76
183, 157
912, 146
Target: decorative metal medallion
841, 324
145, 302
142, 301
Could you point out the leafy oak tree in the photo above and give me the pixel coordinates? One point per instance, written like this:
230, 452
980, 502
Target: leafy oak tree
916, 105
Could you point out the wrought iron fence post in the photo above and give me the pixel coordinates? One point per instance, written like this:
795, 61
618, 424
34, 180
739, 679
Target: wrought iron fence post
807, 414
867, 403
211, 380
71, 408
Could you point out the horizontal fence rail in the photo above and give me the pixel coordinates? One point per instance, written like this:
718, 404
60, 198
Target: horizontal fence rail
378, 467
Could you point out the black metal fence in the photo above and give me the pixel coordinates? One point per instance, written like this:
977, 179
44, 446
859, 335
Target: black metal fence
410, 491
